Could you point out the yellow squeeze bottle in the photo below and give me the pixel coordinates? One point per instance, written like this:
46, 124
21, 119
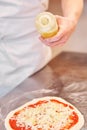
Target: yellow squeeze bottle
46, 24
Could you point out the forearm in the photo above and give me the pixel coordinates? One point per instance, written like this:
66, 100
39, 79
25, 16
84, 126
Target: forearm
72, 8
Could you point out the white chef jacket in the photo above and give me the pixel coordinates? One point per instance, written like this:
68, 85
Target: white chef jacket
21, 52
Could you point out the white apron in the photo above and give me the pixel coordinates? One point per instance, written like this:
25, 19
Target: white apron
21, 52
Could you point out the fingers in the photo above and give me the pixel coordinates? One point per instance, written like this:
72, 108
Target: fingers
66, 28
54, 44
59, 42
55, 38
58, 39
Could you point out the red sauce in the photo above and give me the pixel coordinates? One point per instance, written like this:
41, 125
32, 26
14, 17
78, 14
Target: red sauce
73, 117
38, 103
71, 107
54, 100
14, 127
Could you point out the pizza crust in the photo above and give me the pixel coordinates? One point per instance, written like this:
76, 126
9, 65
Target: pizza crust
77, 126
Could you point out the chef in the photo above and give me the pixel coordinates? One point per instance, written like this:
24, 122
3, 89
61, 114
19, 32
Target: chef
22, 53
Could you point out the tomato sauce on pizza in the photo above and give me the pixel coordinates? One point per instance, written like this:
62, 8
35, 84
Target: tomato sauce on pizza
47, 113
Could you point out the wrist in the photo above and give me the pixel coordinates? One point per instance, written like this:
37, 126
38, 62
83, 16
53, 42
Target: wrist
74, 19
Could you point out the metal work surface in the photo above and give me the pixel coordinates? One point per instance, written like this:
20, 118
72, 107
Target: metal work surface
65, 76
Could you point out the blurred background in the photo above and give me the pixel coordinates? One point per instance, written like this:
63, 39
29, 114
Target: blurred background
78, 40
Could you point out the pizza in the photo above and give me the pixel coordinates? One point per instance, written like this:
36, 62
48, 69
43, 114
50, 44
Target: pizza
46, 113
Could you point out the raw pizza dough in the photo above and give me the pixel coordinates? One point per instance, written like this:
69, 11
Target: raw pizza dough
46, 113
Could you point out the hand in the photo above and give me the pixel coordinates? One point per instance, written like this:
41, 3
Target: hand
66, 27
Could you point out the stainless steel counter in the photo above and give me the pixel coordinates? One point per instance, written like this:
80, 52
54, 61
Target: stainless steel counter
65, 76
